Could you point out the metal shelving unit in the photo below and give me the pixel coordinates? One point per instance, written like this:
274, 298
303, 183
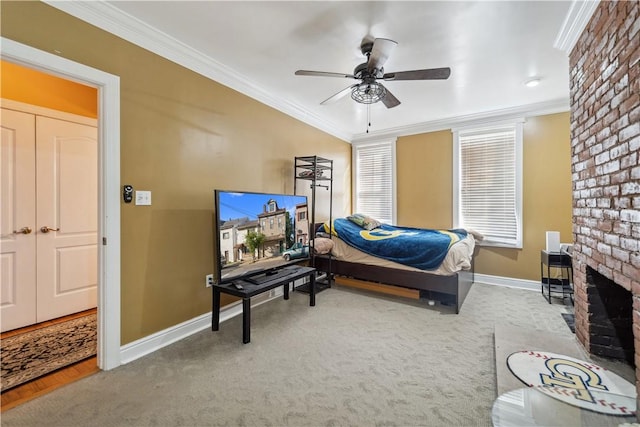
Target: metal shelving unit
318, 171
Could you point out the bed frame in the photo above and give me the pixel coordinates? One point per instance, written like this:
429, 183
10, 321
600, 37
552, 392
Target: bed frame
448, 290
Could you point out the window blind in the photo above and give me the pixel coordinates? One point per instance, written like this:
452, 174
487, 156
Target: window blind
374, 179
488, 184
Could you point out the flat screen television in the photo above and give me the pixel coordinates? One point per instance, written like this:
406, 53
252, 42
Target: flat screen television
257, 234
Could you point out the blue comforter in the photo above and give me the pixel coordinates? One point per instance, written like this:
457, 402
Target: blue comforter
417, 247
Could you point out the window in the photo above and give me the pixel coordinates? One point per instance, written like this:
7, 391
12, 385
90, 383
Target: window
225, 235
302, 216
488, 183
374, 178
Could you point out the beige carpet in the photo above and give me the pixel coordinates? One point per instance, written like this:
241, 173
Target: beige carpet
356, 358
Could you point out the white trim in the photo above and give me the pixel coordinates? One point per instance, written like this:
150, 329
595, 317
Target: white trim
488, 124
109, 18
36, 110
158, 340
394, 183
455, 180
508, 282
108, 182
575, 22
470, 120
151, 343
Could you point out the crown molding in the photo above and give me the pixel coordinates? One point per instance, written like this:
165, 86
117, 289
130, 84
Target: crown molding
574, 24
111, 19
470, 120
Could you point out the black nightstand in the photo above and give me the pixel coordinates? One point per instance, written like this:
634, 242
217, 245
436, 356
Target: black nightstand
561, 285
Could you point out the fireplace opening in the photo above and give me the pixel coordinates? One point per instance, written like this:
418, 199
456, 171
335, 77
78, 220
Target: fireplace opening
610, 318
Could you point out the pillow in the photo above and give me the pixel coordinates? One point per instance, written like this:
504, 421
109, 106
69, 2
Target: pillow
364, 221
329, 229
322, 245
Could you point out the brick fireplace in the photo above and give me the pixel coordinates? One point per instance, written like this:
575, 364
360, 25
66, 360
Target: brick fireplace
605, 139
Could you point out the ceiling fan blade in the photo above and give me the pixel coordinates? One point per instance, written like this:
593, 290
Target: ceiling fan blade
428, 74
389, 100
323, 74
338, 95
380, 52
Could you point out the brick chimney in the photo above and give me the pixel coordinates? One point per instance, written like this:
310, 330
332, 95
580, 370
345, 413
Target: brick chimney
605, 139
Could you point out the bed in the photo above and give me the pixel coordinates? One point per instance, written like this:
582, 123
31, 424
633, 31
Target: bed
449, 282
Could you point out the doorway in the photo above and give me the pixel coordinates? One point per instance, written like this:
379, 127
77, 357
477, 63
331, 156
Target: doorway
108, 87
49, 203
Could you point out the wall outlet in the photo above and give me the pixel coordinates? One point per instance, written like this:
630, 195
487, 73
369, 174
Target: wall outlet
208, 280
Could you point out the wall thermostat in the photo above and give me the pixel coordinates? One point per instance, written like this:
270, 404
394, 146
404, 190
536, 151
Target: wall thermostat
127, 193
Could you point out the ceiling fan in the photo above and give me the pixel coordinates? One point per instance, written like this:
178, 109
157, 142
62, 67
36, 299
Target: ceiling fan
369, 90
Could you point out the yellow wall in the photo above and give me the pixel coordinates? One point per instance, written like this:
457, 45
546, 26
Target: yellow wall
182, 136
425, 192
30, 86
424, 188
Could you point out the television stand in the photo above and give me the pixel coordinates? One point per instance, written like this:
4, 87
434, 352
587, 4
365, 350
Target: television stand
249, 289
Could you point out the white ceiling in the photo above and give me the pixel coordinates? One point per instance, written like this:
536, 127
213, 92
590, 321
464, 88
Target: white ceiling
492, 47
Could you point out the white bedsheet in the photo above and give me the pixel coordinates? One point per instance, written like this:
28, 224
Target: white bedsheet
458, 258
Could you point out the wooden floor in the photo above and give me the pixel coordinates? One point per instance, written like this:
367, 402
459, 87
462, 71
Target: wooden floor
46, 384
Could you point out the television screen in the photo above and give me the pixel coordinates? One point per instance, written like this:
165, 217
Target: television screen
258, 233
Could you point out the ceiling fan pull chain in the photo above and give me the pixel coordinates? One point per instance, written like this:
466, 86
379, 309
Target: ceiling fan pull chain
368, 117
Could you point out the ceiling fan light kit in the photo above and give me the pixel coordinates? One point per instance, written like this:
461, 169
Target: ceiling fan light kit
369, 90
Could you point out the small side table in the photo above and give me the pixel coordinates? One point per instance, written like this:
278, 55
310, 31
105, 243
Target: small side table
561, 285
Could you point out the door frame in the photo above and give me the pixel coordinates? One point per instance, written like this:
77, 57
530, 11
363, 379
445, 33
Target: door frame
108, 85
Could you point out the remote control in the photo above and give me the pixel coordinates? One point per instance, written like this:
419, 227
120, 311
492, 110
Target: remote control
237, 285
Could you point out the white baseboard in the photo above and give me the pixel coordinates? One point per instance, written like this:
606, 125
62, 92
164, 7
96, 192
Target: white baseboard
149, 344
509, 282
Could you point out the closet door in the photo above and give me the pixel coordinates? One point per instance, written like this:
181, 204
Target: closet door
17, 220
67, 216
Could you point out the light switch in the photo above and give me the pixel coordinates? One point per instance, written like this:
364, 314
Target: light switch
143, 198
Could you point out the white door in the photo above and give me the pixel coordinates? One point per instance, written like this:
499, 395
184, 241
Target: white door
17, 220
49, 180
67, 217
